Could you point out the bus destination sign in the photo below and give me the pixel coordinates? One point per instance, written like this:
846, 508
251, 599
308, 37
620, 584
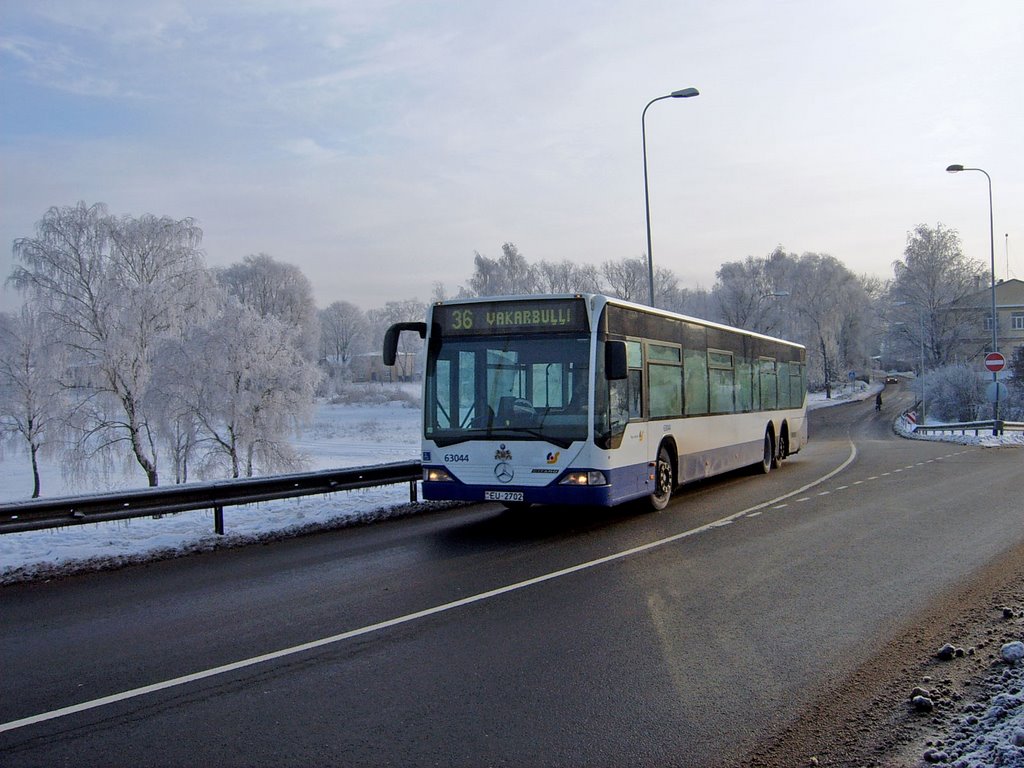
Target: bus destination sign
529, 316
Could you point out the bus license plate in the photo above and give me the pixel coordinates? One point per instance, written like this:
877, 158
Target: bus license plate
503, 495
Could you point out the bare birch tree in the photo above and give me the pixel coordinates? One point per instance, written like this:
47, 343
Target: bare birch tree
754, 293
828, 299
275, 289
113, 288
343, 332
567, 277
508, 275
928, 307
32, 403
245, 388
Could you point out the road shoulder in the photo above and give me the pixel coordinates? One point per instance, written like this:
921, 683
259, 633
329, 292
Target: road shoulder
866, 719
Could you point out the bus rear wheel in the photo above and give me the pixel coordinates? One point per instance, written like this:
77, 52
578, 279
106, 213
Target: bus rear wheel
768, 457
664, 480
783, 451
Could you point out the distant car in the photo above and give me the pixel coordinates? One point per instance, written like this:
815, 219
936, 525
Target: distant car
892, 379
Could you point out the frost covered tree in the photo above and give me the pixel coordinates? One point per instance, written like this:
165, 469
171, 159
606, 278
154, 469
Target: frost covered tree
1016, 369
508, 275
627, 279
410, 346
930, 286
275, 289
113, 288
751, 293
567, 277
955, 393
239, 387
343, 332
1012, 408
32, 405
828, 301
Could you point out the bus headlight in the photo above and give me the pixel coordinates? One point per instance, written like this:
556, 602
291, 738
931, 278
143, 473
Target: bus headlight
437, 475
591, 477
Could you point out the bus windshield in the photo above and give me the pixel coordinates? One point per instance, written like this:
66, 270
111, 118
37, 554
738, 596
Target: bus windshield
508, 387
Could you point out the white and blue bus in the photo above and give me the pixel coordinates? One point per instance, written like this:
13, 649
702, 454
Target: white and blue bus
586, 399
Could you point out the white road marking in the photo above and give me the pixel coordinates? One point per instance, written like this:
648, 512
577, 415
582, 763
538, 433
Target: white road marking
333, 639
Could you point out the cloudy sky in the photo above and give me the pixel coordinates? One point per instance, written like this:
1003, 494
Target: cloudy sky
378, 144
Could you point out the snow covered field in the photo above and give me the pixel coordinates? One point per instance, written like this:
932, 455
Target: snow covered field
339, 436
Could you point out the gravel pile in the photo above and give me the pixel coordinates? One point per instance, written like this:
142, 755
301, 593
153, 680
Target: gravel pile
986, 731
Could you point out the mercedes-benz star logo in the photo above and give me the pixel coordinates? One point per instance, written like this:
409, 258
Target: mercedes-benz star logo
504, 472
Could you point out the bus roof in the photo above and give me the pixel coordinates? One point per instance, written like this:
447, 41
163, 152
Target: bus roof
597, 301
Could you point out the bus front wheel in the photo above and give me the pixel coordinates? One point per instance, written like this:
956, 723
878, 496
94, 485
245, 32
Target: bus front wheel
664, 480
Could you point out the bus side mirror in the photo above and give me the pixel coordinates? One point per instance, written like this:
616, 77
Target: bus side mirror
615, 366
391, 339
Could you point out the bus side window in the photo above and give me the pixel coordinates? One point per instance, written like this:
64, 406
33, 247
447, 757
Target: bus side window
695, 371
769, 383
635, 357
618, 402
441, 381
664, 381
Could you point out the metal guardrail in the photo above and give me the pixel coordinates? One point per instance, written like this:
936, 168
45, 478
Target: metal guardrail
977, 427
38, 514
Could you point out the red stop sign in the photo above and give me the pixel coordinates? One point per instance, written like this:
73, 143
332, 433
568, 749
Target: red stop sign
994, 361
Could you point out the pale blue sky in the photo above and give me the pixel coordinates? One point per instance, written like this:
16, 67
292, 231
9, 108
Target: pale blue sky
377, 145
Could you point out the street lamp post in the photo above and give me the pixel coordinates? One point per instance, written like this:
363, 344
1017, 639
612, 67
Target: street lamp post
685, 93
956, 168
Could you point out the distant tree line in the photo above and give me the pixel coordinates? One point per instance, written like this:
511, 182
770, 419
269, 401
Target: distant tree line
129, 350
848, 322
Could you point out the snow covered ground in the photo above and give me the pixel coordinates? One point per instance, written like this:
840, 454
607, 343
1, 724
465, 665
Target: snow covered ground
339, 436
992, 733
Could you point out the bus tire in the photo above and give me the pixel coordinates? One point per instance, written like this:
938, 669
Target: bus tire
664, 480
768, 456
783, 451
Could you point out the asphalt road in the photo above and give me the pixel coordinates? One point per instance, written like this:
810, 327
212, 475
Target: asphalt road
479, 637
